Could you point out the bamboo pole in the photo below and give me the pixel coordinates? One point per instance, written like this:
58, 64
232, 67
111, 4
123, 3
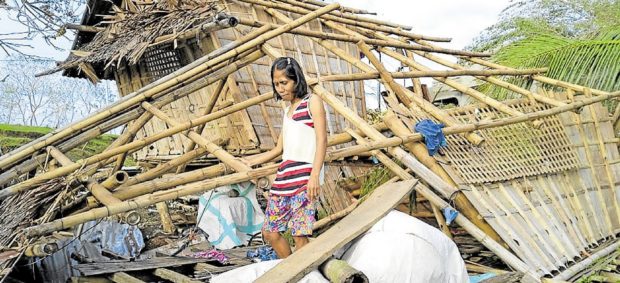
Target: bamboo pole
339, 271
370, 41
580, 266
115, 180
176, 78
208, 108
215, 25
138, 186
445, 74
347, 9
512, 87
540, 78
147, 200
166, 220
35, 161
462, 88
99, 192
345, 15
425, 105
84, 28
213, 148
141, 143
302, 11
422, 171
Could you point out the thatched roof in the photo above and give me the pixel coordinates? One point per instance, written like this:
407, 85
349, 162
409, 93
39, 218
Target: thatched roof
129, 31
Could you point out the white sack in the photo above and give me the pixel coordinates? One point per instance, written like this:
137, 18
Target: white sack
251, 272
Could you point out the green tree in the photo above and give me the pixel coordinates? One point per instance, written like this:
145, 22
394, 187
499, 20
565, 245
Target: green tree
578, 40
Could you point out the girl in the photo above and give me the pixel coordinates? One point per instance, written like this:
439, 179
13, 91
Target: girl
303, 143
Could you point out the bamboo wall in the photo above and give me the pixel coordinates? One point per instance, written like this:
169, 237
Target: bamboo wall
550, 193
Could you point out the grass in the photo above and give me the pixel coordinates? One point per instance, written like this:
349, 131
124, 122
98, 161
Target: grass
375, 178
14, 136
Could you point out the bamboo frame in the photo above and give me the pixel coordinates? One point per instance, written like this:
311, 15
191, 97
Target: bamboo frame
302, 11
176, 78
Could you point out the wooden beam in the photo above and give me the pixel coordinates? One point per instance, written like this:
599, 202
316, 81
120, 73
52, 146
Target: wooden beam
174, 276
304, 260
122, 277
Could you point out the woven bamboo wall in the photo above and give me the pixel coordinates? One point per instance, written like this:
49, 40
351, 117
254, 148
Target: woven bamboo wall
256, 128
552, 198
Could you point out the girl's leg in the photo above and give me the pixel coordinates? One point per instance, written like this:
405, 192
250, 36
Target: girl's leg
300, 241
278, 243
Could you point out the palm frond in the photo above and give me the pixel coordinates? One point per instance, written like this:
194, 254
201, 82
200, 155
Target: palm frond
594, 63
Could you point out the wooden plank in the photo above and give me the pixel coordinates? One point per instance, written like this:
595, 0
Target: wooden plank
173, 276
90, 269
357, 222
122, 277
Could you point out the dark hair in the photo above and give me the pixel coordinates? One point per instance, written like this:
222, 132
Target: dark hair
293, 71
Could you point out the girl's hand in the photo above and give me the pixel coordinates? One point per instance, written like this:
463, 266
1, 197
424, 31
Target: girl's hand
314, 188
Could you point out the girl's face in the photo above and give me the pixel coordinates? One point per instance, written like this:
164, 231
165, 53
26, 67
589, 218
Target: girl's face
284, 86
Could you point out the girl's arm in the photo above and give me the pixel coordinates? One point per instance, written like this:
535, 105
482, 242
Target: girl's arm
265, 156
320, 128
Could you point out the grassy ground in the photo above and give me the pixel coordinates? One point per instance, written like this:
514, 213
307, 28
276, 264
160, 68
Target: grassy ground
14, 136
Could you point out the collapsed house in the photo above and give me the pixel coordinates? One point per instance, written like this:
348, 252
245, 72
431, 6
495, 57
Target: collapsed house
534, 179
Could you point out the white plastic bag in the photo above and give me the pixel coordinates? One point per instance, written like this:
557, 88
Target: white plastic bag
401, 248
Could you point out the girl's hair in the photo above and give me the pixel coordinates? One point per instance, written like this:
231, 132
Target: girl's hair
293, 71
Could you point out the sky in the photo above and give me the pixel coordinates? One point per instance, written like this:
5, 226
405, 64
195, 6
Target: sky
459, 19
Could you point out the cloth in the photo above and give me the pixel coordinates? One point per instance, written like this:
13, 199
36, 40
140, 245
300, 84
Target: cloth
263, 253
299, 149
401, 248
450, 214
230, 222
294, 212
214, 254
251, 272
433, 136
